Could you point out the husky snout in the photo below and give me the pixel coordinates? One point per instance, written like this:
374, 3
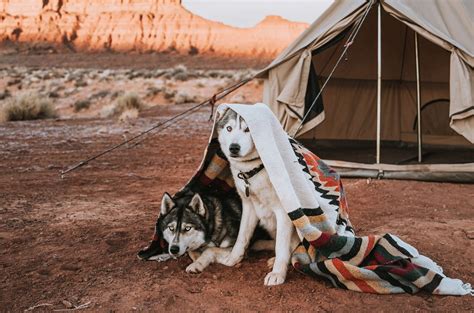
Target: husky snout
234, 149
174, 250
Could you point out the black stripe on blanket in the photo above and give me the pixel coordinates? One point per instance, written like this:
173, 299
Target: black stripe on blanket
306, 244
323, 269
431, 286
354, 250
395, 244
313, 212
382, 273
298, 213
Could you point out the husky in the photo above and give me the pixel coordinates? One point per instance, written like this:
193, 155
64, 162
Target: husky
260, 203
199, 225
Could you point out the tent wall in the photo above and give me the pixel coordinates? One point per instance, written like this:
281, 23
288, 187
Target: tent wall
446, 72
351, 93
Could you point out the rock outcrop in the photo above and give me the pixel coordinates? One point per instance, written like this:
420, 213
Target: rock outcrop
138, 25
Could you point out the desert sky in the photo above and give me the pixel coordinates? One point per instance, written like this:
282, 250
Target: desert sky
247, 13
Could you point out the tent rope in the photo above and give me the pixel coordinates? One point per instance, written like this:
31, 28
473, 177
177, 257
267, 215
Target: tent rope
348, 43
169, 122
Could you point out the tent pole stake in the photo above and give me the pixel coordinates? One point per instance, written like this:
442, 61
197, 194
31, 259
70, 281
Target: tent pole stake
379, 78
418, 99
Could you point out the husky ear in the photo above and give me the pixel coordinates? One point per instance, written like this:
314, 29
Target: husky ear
220, 112
167, 204
198, 205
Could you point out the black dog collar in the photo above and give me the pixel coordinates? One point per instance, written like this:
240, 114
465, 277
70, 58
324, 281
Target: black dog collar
245, 176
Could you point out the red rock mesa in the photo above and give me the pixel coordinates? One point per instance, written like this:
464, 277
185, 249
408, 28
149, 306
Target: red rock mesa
138, 25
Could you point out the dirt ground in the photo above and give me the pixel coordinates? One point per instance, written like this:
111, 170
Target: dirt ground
115, 60
74, 240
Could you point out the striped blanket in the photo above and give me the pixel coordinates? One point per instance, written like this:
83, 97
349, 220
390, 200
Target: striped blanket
313, 195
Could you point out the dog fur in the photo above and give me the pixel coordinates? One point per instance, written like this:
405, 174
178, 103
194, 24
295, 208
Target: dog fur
262, 205
198, 225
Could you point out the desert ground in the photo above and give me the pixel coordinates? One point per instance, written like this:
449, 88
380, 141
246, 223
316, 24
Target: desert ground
72, 241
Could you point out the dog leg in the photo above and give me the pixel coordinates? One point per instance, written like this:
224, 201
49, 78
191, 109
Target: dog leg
248, 223
209, 256
160, 257
194, 255
282, 249
263, 245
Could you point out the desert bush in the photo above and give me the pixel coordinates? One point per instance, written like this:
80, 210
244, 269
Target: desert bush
153, 91
5, 94
200, 85
182, 97
180, 68
169, 94
182, 76
80, 83
30, 106
128, 115
127, 102
99, 95
81, 105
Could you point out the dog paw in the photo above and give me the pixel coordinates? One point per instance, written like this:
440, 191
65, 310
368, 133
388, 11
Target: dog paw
231, 260
194, 268
270, 263
160, 257
273, 279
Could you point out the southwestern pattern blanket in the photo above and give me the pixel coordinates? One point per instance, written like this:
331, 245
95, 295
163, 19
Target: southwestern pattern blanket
314, 198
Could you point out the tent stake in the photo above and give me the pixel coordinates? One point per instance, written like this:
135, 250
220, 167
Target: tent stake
379, 78
418, 99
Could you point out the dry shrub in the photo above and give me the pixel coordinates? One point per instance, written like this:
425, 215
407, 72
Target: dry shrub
127, 115
127, 102
29, 106
81, 105
183, 97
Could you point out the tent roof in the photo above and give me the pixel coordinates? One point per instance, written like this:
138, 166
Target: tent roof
451, 21
447, 24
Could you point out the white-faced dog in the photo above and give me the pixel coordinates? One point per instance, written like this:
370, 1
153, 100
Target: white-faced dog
259, 199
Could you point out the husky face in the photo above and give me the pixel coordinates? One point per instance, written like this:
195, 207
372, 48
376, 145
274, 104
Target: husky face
234, 137
183, 224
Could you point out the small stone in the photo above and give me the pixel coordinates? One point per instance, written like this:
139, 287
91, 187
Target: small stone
469, 234
67, 304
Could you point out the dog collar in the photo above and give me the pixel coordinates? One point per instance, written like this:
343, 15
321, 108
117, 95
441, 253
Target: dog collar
245, 176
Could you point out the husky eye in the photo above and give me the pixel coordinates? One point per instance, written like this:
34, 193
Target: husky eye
229, 128
246, 130
171, 228
187, 228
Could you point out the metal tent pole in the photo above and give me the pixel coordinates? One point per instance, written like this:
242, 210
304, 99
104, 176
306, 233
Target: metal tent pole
418, 99
379, 77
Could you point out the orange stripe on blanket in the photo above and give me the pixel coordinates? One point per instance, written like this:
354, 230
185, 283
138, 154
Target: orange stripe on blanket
341, 267
370, 245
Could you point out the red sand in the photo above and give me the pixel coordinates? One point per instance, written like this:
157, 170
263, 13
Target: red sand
76, 239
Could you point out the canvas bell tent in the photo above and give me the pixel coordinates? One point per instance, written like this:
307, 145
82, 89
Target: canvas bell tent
382, 88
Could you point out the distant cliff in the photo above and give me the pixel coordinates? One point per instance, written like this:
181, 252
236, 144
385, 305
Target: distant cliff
138, 25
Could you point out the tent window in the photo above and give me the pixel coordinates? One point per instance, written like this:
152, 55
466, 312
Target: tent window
312, 90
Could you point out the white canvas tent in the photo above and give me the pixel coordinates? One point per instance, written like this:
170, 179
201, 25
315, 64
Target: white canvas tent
407, 63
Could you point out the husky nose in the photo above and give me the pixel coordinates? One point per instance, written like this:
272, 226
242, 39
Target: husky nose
174, 249
234, 148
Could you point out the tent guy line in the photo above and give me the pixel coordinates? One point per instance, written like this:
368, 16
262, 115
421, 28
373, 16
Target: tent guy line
212, 100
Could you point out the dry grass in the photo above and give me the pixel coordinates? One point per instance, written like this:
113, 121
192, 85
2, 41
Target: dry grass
28, 106
81, 105
127, 102
182, 97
